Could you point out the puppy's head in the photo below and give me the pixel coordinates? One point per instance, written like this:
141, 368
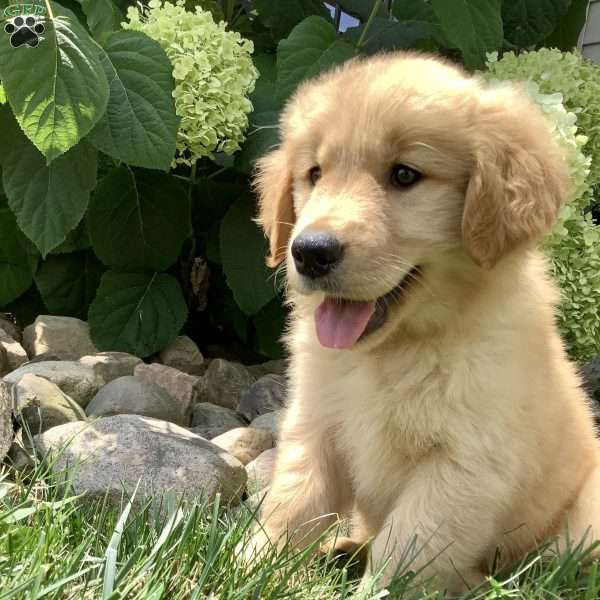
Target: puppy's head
392, 167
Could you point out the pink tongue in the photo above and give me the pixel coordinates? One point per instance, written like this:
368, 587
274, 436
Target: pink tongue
341, 322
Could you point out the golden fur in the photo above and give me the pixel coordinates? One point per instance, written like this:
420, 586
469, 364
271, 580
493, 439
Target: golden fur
460, 421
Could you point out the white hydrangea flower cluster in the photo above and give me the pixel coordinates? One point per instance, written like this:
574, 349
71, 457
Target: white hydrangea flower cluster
213, 72
558, 82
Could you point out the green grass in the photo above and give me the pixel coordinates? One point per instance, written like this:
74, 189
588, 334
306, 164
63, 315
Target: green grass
53, 545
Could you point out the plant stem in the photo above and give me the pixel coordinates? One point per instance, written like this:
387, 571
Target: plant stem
363, 35
49, 9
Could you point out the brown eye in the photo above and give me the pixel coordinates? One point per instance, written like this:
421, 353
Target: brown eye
403, 176
314, 175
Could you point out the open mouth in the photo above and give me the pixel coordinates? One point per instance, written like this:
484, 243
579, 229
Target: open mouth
342, 323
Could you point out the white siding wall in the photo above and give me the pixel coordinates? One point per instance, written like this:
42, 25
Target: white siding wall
590, 41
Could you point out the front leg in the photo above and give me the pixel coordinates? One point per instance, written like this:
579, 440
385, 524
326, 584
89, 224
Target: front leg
443, 525
310, 487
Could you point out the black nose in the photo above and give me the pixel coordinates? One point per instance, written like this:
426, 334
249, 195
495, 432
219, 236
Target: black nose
316, 253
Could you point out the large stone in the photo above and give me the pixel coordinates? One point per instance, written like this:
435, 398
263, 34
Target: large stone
6, 427
245, 443
271, 367
208, 433
224, 383
13, 352
134, 395
183, 354
10, 327
269, 421
185, 389
206, 415
113, 455
67, 337
260, 471
111, 365
78, 381
40, 405
22, 451
268, 394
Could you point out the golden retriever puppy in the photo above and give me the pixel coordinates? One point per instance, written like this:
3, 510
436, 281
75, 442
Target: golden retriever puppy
430, 393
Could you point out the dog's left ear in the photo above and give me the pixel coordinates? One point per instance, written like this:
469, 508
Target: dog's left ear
273, 181
519, 178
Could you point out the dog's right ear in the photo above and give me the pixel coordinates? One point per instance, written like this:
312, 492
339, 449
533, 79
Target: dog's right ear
273, 181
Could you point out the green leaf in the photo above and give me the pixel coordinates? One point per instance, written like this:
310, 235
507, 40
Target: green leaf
566, 33
27, 307
103, 16
138, 313
270, 325
362, 8
414, 10
257, 144
527, 22
243, 248
473, 26
2, 95
313, 46
68, 282
281, 17
264, 97
139, 220
140, 124
77, 239
48, 200
17, 265
384, 34
58, 91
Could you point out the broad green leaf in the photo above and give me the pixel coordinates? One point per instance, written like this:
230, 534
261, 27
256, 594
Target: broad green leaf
27, 307
103, 16
363, 8
2, 95
17, 265
384, 34
258, 142
414, 10
68, 282
566, 33
48, 200
139, 126
264, 96
243, 249
527, 22
139, 220
270, 326
313, 46
78, 239
58, 91
473, 26
138, 313
281, 17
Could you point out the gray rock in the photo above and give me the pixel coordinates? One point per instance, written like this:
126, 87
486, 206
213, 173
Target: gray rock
245, 443
185, 389
113, 454
260, 471
10, 327
206, 415
137, 396
208, 433
224, 383
271, 367
269, 421
13, 352
6, 427
46, 357
65, 336
78, 381
183, 354
40, 405
268, 394
111, 365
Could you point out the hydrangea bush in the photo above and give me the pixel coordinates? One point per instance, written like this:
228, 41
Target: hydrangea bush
213, 72
567, 89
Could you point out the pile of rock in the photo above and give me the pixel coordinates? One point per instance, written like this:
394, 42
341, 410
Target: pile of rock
113, 422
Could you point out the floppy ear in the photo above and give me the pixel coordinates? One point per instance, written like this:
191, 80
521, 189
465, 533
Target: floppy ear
519, 178
273, 181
